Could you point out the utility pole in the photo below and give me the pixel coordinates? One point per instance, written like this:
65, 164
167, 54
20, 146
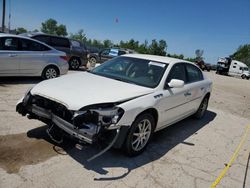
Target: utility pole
3, 18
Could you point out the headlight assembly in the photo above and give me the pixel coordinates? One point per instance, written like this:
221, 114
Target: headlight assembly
107, 117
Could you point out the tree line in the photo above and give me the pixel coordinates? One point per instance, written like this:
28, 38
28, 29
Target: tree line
154, 47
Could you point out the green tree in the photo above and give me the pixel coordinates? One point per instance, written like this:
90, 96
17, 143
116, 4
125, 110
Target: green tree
50, 27
243, 54
61, 30
80, 35
158, 48
20, 30
107, 43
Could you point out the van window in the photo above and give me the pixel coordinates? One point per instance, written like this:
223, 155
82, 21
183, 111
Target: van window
234, 66
42, 38
60, 42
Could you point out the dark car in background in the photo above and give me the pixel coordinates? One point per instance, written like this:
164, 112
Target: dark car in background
106, 54
76, 51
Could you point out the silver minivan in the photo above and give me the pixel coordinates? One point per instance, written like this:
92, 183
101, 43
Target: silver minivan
22, 56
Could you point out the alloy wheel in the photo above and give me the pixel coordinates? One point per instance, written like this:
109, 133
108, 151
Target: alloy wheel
50, 73
141, 134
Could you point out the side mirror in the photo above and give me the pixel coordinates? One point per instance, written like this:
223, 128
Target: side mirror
174, 83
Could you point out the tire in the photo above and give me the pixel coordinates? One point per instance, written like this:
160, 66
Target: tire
74, 63
136, 143
243, 76
50, 72
92, 61
202, 108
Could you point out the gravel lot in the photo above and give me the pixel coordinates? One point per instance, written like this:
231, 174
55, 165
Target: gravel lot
188, 154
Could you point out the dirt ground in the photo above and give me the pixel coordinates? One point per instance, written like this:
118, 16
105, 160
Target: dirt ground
190, 153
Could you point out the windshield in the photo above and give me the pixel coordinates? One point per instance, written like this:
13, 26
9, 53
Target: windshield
245, 68
136, 71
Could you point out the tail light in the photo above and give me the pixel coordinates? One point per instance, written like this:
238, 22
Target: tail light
64, 58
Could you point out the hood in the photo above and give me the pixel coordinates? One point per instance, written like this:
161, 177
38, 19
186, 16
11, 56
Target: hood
81, 89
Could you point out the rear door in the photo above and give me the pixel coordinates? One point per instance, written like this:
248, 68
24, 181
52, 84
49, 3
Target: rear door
9, 56
196, 87
33, 58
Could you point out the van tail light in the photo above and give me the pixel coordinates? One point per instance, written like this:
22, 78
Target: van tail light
64, 58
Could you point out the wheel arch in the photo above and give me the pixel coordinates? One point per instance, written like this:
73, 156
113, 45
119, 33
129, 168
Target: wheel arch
51, 65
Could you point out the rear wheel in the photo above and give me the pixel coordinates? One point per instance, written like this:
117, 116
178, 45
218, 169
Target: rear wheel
202, 108
139, 134
92, 61
74, 63
50, 72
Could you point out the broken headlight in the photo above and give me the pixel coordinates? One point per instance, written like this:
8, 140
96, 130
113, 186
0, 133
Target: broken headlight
107, 117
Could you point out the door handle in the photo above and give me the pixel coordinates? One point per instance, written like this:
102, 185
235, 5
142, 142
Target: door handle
187, 94
12, 55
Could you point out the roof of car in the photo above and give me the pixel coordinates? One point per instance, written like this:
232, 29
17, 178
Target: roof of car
12, 35
162, 59
32, 34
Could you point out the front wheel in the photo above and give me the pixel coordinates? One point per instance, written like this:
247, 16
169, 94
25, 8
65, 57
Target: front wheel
243, 76
202, 108
139, 134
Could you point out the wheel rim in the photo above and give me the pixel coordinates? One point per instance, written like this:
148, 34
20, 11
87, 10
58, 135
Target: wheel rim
50, 73
92, 61
141, 134
75, 64
204, 106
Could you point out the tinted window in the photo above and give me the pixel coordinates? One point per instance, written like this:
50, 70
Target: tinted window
42, 38
29, 45
9, 43
75, 43
121, 52
177, 72
193, 73
105, 52
60, 42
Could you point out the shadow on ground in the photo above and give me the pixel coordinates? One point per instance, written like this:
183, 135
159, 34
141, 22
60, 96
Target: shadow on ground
5, 81
162, 142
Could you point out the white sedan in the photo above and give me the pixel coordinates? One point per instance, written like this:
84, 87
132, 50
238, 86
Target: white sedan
123, 101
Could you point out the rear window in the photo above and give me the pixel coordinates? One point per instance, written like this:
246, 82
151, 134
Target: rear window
42, 38
60, 42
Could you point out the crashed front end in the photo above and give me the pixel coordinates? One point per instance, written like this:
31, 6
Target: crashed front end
90, 124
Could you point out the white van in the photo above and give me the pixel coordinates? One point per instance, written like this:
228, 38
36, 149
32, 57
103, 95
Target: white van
239, 69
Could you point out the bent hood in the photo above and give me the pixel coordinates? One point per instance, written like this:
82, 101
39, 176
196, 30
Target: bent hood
81, 89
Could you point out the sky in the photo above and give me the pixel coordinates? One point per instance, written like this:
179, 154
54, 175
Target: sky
216, 26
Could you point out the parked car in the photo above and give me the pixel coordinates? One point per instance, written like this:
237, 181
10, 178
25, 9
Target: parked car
75, 50
126, 100
21, 56
106, 54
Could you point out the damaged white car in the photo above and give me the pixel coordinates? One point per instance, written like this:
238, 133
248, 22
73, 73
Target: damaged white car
123, 101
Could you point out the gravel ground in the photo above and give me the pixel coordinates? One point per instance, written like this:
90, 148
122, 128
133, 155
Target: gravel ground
190, 153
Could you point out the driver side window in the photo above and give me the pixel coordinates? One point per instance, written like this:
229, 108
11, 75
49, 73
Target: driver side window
177, 72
